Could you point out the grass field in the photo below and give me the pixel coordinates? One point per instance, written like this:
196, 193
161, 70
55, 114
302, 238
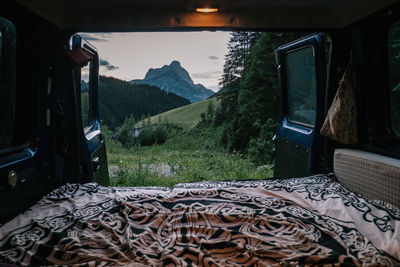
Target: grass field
187, 156
186, 116
191, 153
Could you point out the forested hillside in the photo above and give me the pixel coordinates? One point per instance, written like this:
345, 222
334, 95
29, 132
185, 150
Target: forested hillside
119, 99
250, 100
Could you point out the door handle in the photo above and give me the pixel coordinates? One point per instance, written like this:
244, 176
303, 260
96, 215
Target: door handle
96, 163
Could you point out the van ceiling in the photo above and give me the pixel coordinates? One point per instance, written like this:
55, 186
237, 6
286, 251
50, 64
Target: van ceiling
131, 15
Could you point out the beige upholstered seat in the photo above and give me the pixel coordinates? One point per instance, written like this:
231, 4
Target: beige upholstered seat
370, 174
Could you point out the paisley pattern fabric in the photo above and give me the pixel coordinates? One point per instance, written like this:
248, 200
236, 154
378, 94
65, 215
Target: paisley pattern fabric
341, 121
298, 221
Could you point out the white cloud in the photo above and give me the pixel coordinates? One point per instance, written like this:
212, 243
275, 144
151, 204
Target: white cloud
206, 75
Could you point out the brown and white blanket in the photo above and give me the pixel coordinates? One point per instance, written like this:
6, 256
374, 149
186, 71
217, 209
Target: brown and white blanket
298, 221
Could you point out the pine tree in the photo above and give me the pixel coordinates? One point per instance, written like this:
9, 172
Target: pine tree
252, 99
258, 96
239, 46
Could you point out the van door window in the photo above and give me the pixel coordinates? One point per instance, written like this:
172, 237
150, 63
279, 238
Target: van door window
85, 99
301, 86
7, 88
394, 75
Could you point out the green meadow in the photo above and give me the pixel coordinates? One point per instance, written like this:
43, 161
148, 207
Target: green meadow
191, 153
186, 116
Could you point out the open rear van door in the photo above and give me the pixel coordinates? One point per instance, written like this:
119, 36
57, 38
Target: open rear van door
86, 85
302, 78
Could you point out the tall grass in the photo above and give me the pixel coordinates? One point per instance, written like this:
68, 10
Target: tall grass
187, 156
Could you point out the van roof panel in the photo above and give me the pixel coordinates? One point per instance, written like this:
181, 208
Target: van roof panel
130, 15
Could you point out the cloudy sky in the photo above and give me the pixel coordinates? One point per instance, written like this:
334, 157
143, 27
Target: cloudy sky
128, 56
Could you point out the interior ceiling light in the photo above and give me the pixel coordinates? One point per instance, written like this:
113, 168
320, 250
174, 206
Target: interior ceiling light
206, 10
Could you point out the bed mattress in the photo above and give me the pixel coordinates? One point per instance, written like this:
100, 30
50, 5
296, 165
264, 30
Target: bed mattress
305, 221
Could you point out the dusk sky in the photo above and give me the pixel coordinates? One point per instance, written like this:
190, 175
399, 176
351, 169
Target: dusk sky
128, 56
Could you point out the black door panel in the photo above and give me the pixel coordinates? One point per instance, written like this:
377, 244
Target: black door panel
302, 78
295, 165
93, 145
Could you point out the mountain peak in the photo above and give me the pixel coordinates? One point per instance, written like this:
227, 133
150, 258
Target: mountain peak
174, 69
175, 64
174, 78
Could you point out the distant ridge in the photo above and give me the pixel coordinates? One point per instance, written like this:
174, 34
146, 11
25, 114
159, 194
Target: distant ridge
175, 79
119, 99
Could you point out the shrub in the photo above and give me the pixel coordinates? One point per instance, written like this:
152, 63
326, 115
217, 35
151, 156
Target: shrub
260, 148
145, 137
151, 136
124, 137
160, 135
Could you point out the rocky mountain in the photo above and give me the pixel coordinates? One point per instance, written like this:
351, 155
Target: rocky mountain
175, 79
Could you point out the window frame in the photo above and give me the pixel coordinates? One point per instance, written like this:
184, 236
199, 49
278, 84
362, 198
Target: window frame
304, 124
8, 33
93, 114
375, 128
89, 121
394, 133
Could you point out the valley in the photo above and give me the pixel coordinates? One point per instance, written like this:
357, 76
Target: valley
226, 135
191, 153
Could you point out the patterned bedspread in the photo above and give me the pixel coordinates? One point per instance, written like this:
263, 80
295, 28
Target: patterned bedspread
303, 221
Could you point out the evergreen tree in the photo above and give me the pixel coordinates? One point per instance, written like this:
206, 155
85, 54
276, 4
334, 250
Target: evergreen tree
210, 111
239, 46
258, 97
124, 136
251, 105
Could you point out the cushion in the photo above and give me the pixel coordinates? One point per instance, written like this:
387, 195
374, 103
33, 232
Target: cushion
370, 174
